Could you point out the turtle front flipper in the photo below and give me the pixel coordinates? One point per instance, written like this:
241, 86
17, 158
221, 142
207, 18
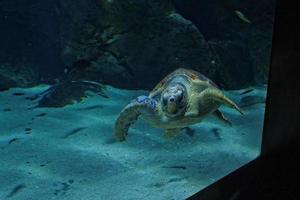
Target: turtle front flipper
217, 95
208, 97
131, 113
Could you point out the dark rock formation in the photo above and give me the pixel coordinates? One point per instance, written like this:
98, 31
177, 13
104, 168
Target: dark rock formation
240, 34
139, 43
67, 92
135, 43
30, 36
20, 75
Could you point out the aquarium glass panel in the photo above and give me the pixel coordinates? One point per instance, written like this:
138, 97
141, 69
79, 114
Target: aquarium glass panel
129, 99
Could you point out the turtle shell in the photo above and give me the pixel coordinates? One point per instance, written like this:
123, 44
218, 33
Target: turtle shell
191, 74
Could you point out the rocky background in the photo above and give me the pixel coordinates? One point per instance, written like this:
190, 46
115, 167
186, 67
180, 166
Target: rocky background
133, 44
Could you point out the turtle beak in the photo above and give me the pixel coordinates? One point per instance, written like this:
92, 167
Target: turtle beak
172, 106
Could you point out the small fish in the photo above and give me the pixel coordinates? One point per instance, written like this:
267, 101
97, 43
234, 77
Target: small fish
89, 82
217, 134
176, 167
7, 109
41, 115
74, 131
175, 180
15, 190
242, 16
18, 94
66, 70
91, 107
32, 98
251, 100
247, 91
27, 129
12, 140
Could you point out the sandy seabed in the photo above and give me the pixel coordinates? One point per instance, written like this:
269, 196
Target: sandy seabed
70, 153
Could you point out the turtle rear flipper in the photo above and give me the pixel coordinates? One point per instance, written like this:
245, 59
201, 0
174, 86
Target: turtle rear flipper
131, 113
172, 132
219, 115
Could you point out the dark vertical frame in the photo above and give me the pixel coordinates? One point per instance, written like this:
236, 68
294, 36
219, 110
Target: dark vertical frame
283, 109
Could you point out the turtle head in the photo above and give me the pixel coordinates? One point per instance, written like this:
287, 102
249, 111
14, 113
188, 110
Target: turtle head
174, 100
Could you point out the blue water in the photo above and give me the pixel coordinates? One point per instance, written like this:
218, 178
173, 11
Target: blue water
68, 68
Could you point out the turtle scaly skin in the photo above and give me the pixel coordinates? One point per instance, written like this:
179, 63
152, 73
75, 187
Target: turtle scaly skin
181, 99
130, 114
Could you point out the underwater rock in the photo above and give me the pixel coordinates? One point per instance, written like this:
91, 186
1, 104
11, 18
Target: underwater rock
234, 68
239, 46
68, 92
131, 39
30, 37
132, 44
16, 76
165, 44
228, 19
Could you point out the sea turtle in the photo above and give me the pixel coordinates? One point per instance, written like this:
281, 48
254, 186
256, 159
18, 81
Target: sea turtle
182, 98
